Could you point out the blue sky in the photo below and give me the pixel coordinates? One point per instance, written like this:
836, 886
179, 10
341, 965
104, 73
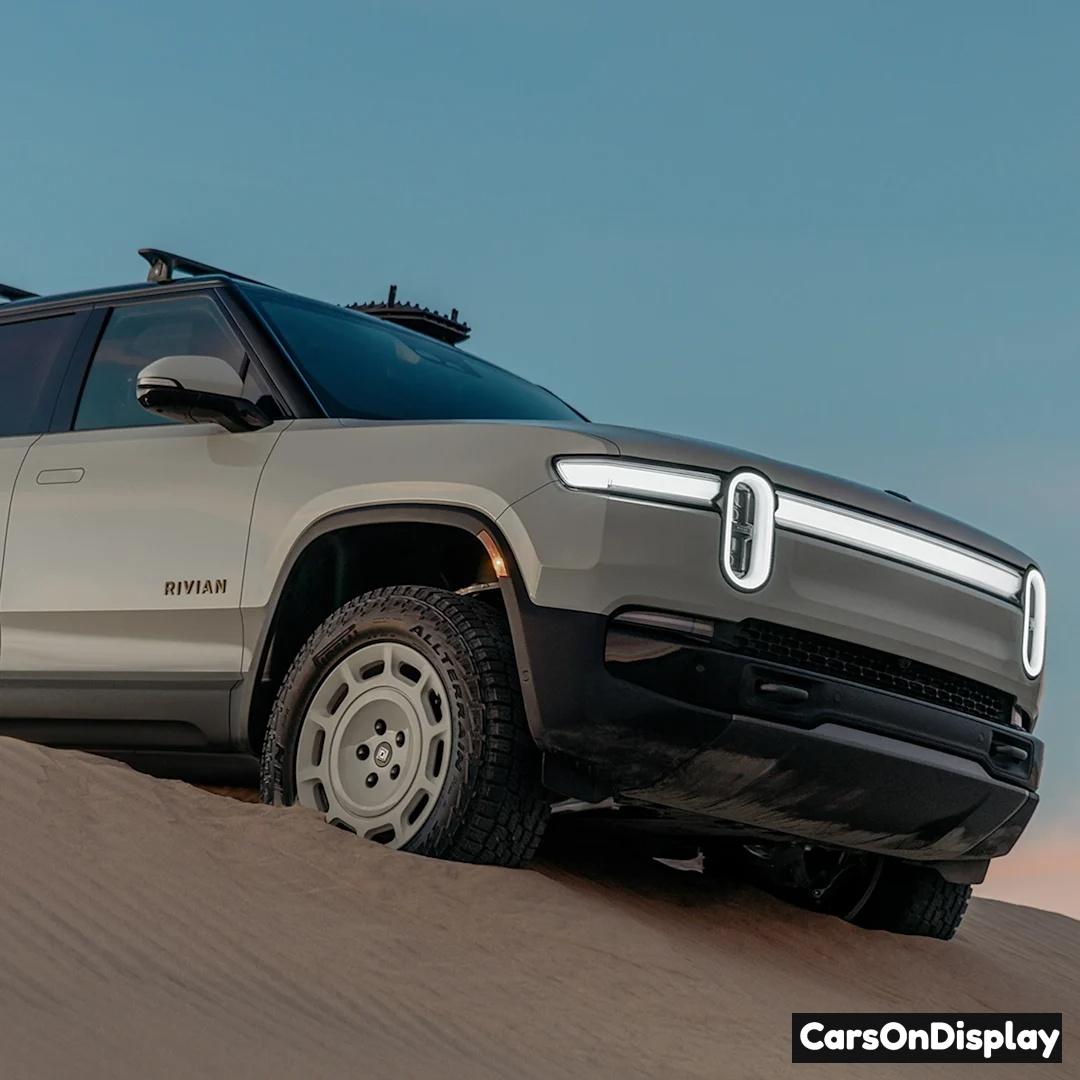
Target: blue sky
843, 233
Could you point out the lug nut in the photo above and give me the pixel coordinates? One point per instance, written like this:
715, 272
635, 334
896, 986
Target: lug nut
371, 780
399, 738
395, 772
380, 727
362, 752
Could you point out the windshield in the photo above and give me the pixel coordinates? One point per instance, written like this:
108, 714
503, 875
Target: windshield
365, 369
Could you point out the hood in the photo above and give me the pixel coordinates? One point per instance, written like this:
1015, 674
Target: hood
676, 450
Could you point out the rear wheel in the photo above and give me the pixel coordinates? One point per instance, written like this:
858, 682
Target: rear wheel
914, 900
871, 891
401, 720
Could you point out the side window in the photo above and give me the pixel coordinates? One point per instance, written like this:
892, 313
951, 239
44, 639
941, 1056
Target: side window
33, 359
138, 335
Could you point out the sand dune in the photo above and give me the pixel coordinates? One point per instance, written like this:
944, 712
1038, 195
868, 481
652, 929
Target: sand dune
1043, 870
150, 929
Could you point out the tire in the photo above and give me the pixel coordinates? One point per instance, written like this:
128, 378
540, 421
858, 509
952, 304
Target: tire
423, 681
914, 900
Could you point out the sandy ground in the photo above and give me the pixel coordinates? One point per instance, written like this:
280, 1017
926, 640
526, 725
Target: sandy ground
149, 929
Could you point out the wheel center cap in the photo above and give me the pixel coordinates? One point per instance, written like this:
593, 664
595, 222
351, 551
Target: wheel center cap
383, 753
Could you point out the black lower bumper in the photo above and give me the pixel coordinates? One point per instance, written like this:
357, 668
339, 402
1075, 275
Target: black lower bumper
680, 721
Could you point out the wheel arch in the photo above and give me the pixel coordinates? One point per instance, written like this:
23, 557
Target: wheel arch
249, 707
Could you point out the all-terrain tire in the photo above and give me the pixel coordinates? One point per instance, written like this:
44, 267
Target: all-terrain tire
492, 808
914, 900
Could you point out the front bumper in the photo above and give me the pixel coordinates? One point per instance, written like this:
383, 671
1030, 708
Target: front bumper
688, 724
682, 723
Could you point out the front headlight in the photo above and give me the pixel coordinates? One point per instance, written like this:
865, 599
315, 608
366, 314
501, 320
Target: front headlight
1033, 649
634, 480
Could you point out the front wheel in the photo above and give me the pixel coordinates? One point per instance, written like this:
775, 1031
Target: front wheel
401, 720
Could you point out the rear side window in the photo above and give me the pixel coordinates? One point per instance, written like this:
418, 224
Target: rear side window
33, 359
139, 334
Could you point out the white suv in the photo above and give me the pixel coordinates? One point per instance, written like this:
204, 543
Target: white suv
435, 600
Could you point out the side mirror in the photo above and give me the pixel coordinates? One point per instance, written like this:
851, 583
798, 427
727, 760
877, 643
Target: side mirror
197, 390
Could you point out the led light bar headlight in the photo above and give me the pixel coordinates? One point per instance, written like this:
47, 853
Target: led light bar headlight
746, 546
635, 480
893, 541
1033, 651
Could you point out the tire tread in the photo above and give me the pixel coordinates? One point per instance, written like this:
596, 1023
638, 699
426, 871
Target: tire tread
915, 900
498, 814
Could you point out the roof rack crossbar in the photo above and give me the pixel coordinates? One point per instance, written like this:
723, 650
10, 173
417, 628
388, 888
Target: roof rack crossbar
163, 264
9, 292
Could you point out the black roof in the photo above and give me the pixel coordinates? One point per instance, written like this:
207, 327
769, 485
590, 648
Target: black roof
161, 279
112, 292
163, 265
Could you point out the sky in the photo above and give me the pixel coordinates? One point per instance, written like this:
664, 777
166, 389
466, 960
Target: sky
843, 233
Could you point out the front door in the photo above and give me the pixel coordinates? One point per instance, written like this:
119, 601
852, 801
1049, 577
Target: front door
120, 594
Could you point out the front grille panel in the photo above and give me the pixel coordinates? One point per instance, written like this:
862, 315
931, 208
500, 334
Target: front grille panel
872, 668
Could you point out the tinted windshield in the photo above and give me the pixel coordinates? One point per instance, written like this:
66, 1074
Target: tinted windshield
365, 369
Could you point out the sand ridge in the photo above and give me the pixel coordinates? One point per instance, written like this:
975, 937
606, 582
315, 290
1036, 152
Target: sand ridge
149, 929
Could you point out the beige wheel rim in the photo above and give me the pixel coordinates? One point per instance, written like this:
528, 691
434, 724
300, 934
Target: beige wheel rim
375, 742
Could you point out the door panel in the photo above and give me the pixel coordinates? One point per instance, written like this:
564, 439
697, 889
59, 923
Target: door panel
129, 573
13, 450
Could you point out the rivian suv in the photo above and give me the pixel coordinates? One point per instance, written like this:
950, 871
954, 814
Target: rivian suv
437, 603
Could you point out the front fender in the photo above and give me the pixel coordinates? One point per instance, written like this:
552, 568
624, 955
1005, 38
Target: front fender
319, 468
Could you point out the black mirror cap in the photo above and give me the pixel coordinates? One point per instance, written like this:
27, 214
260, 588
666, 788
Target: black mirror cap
197, 407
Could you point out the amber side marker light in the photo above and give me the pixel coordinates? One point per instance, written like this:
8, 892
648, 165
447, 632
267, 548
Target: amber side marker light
498, 563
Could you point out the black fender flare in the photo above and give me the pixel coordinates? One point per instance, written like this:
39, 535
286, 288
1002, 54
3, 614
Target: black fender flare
514, 596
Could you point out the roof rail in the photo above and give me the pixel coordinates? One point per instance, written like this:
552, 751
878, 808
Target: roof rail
163, 264
9, 292
445, 328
